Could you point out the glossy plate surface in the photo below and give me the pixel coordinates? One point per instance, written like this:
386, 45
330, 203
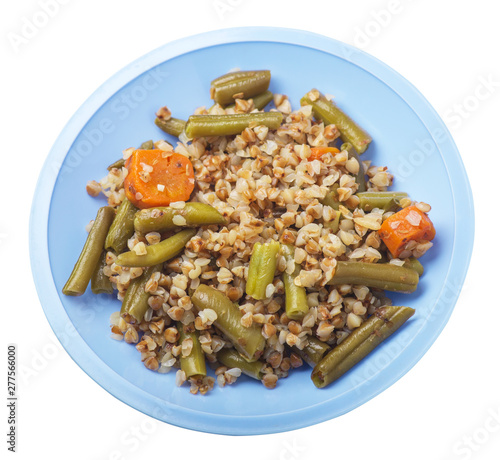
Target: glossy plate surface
409, 137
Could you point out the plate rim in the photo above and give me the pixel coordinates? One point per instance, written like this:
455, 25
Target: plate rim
163, 410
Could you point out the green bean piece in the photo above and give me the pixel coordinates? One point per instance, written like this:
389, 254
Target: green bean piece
261, 269
194, 364
118, 164
329, 114
227, 125
231, 76
351, 153
122, 227
231, 358
91, 252
296, 305
172, 126
259, 101
135, 301
224, 89
388, 201
248, 341
334, 224
157, 253
100, 283
414, 264
389, 277
161, 219
384, 322
147, 145
262, 99
314, 351
332, 198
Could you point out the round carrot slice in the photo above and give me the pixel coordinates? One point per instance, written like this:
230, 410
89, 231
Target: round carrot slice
158, 178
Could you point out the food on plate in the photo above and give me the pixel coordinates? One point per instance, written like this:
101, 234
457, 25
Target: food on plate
259, 242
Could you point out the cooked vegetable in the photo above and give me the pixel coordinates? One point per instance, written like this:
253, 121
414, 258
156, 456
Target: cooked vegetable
247, 340
172, 126
360, 176
122, 227
231, 358
388, 201
194, 364
259, 101
147, 145
414, 264
314, 351
157, 253
226, 125
318, 152
91, 253
384, 322
295, 296
409, 224
261, 269
162, 219
332, 198
100, 283
239, 84
330, 114
118, 164
135, 303
334, 224
380, 276
158, 178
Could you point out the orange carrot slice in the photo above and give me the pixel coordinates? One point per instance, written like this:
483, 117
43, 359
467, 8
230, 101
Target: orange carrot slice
158, 178
406, 225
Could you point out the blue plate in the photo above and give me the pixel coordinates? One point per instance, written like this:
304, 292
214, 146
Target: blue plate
409, 137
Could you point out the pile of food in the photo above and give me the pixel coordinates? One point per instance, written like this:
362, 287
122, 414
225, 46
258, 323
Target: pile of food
259, 242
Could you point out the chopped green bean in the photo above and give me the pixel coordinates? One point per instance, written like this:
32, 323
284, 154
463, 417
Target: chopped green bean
122, 227
332, 198
194, 364
249, 341
261, 269
147, 145
231, 358
100, 283
388, 201
231, 76
259, 101
91, 252
161, 219
414, 264
314, 351
360, 176
295, 296
135, 301
172, 126
118, 164
380, 276
224, 89
157, 253
329, 113
359, 343
333, 225
227, 125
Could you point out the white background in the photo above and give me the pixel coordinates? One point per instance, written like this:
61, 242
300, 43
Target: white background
444, 408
